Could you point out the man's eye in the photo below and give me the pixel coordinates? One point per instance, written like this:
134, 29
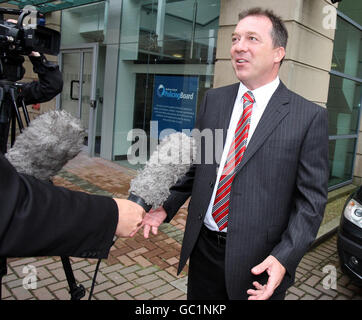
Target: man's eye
234, 39
252, 38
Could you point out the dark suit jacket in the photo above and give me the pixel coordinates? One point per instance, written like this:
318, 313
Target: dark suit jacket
39, 219
279, 194
49, 84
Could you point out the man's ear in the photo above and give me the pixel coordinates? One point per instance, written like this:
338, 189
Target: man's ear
279, 54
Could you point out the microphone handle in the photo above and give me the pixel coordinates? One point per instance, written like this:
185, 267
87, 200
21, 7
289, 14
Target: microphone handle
140, 201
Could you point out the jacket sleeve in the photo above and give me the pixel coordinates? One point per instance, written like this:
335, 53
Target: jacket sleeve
310, 195
39, 219
50, 82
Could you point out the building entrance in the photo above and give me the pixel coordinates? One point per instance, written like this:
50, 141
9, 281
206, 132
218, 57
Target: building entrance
79, 98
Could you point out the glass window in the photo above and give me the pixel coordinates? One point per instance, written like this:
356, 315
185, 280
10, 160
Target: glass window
166, 63
352, 9
341, 156
347, 51
155, 61
177, 31
83, 24
344, 98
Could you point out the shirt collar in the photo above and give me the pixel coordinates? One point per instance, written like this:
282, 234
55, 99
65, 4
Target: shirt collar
262, 94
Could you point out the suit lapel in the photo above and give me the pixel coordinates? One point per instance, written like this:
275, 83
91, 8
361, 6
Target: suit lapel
226, 111
225, 116
274, 112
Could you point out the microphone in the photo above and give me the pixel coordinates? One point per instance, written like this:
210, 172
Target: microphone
167, 164
47, 144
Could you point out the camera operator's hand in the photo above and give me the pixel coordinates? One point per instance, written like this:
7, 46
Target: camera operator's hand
34, 54
130, 216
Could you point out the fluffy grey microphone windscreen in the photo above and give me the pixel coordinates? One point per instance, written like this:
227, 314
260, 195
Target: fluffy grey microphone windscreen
50, 141
167, 164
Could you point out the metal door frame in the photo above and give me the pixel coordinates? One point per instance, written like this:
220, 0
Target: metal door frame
81, 49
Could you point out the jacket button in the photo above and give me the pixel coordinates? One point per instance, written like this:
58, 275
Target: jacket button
211, 184
200, 216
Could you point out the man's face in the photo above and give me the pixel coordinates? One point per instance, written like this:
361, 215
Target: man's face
253, 56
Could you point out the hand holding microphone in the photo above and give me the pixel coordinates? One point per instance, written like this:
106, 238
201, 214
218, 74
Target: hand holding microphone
167, 164
130, 217
151, 187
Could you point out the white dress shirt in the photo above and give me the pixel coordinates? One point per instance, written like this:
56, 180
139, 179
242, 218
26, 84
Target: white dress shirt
262, 96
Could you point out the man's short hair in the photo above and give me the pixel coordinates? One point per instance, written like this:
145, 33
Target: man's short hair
279, 32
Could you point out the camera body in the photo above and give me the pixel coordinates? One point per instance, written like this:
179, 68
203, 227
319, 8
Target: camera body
20, 40
17, 40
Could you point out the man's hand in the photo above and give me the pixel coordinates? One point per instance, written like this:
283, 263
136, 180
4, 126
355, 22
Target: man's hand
12, 21
130, 217
34, 54
151, 221
276, 273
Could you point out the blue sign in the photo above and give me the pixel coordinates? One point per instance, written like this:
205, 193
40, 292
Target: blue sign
174, 102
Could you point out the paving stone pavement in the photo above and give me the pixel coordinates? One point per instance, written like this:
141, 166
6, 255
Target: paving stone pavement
145, 269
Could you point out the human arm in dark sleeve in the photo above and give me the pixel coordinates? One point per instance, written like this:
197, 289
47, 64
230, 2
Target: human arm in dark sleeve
39, 219
310, 196
50, 81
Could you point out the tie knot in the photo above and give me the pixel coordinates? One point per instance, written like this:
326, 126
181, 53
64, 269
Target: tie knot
248, 97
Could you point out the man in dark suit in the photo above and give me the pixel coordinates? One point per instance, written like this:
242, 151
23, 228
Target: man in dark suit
49, 84
39, 219
252, 218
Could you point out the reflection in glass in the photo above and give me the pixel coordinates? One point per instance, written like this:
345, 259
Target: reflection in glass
169, 31
83, 24
341, 154
347, 51
344, 99
351, 9
344, 96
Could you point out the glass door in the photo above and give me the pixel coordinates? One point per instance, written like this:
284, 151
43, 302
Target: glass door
79, 68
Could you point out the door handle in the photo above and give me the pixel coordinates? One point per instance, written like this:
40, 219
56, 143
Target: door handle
74, 90
93, 104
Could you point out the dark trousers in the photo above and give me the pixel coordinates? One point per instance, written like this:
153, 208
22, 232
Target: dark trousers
206, 276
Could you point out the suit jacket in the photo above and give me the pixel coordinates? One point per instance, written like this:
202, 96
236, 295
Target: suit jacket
39, 219
279, 194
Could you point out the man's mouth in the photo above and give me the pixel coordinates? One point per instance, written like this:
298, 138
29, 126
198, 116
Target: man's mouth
241, 60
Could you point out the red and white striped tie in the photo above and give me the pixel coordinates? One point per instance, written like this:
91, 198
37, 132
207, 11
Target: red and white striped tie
220, 209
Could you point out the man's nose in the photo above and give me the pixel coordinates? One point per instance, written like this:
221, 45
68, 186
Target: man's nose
240, 45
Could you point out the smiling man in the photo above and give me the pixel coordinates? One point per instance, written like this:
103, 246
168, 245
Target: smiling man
252, 218
256, 50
